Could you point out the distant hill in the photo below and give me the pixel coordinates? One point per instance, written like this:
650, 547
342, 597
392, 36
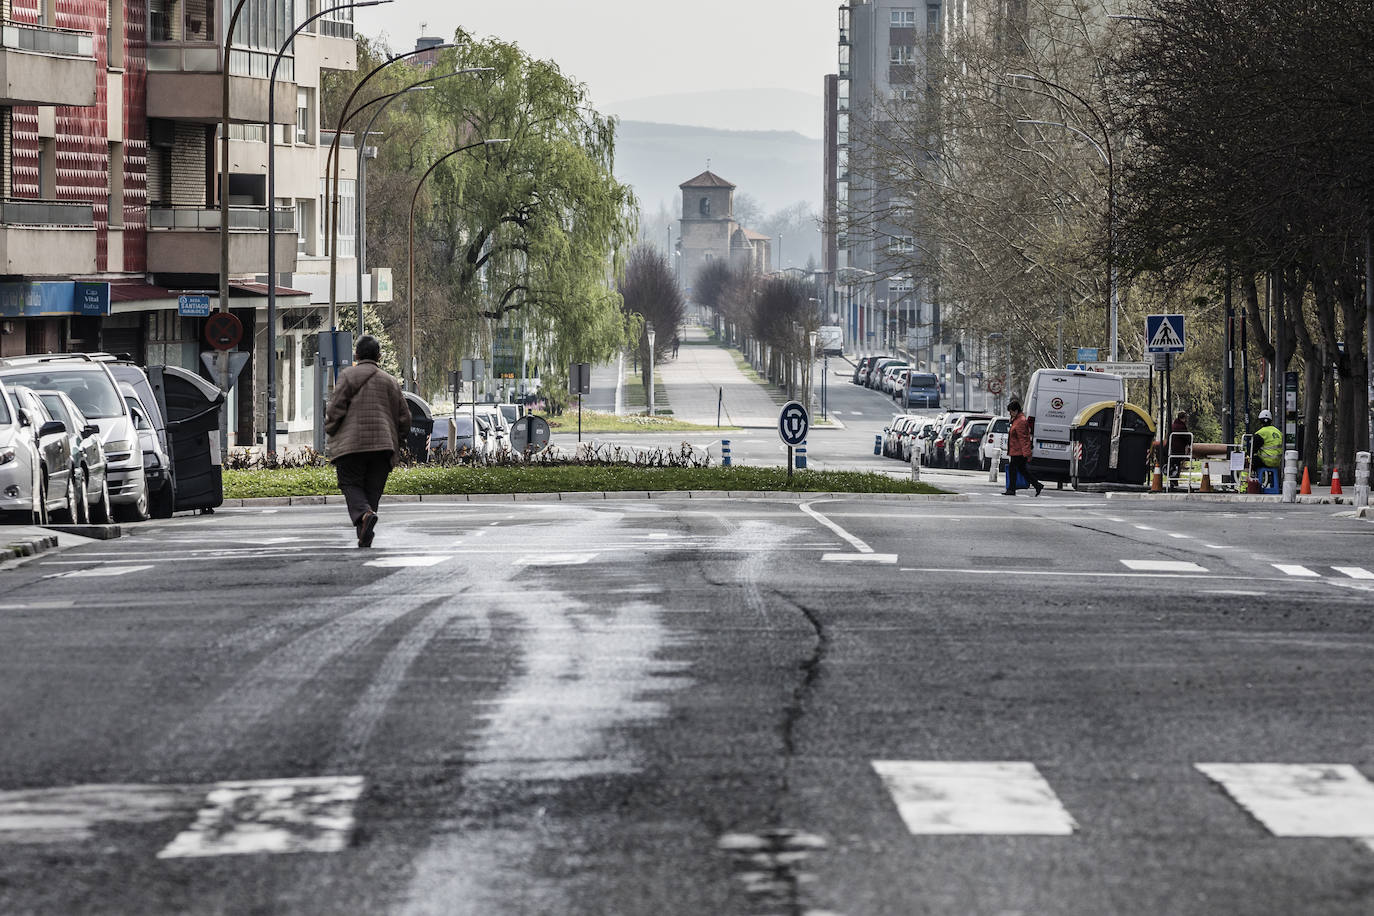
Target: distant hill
729, 109
777, 168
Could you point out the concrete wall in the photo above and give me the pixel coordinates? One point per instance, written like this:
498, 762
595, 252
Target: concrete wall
197, 251
29, 78
46, 252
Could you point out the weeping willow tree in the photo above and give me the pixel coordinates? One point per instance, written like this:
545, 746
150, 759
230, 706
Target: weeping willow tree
528, 233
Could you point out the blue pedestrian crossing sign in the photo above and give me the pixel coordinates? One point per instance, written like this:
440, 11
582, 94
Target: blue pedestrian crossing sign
793, 424
1164, 334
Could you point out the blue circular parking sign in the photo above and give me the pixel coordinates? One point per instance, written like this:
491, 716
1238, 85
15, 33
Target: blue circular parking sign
793, 424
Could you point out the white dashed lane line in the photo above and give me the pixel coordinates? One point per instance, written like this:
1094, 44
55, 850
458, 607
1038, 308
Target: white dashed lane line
1291, 569
964, 798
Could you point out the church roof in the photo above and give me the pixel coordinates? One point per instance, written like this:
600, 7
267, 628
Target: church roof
707, 179
753, 236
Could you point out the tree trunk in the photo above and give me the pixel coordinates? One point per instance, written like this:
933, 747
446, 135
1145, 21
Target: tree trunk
1294, 289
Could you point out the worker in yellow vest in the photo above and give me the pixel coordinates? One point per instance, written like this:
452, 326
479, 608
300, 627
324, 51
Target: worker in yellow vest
1266, 447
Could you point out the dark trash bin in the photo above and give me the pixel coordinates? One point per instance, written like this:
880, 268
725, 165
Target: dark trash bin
421, 426
191, 406
1092, 432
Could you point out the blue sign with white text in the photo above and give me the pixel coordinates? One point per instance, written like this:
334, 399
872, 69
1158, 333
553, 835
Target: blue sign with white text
193, 306
1087, 354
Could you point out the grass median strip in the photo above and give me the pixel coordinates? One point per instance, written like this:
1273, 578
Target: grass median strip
436, 481
596, 422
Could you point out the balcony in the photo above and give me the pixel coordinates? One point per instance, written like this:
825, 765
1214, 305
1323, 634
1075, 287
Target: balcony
46, 238
40, 65
186, 240
185, 84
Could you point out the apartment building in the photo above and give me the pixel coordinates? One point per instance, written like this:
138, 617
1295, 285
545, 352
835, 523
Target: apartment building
871, 261
110, 215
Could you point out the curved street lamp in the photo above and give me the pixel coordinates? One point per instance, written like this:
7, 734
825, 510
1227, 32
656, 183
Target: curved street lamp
410, 259
1106, 155
272, 214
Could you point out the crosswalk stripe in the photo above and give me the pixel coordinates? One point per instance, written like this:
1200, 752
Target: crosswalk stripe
271, 816
407, 562
953, 797
1293, 569
1163, 566
1354, 572
1300, 799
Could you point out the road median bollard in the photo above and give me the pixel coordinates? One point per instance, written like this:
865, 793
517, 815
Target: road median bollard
994, 466
1362, 478
1290, 476
801, 457
877, 443
725, 453
915, 466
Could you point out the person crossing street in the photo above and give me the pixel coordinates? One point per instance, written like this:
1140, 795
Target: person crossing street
1019, 452
366, 420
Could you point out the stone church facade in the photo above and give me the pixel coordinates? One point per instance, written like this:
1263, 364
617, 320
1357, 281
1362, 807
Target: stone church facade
709, 232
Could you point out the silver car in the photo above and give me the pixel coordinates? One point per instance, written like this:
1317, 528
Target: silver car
88, 457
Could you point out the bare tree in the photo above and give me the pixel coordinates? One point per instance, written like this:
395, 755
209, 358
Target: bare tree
651, 298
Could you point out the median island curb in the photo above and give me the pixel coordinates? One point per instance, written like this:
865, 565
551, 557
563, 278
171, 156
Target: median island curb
592, 495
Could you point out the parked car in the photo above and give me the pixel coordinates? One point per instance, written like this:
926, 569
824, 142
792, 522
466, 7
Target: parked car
956, 433
157, 468
919, 389
935, 455
994, 442
21, 462
96, 394
887, 381
916, 439
864, 367
966, 446
88, 457
875, 373
893, 432
54, 488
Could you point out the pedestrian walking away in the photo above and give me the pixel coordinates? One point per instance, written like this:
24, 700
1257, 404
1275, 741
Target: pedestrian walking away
676, 342
1019, 452
366, 420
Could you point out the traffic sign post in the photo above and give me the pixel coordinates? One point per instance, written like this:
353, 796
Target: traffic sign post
580, 383
530, 432
794, 422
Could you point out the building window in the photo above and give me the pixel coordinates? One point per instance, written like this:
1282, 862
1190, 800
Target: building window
904, 18
305, 226
115, 218
302, 115
348, 214
932, 19
902, 244
901, 54
704, 207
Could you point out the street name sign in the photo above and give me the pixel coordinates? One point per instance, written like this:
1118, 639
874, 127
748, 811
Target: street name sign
1125, 370
793, 424
1087, 354
193, 306
1164, 334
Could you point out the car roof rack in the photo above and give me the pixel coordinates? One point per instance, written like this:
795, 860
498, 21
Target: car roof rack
39, 358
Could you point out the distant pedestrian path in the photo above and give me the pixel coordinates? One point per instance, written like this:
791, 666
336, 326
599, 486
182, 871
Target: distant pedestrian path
701, 374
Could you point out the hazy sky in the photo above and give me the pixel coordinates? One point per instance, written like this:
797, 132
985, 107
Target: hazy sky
628, 49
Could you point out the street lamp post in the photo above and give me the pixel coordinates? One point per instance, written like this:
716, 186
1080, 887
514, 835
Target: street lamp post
410, 258
649, 332
272, 213
1006, 366
1106, 155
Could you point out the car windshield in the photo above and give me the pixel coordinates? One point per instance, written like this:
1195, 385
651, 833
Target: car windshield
90, 389
922, 380
5, 418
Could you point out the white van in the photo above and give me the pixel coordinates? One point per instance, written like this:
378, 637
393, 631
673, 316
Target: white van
1054, 398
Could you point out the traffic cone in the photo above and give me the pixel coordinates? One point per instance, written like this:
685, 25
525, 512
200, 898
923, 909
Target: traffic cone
1206, 482
1336, 482
1157, 481
1306, 488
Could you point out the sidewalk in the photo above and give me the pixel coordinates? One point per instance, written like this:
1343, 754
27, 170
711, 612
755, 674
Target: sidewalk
702, 373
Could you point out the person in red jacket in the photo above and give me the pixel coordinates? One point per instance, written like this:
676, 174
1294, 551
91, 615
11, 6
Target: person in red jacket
1019, 451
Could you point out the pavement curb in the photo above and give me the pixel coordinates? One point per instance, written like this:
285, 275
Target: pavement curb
28, 547
584, 496
1274, 498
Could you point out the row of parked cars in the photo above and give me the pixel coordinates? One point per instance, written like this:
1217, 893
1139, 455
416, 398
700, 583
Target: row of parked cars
483, 429
954, 439
87, 437
896, 378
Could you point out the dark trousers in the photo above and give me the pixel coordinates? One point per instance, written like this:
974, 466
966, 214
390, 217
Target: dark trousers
362, 477
1018, 466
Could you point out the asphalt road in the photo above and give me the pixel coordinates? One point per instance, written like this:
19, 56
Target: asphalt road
1068, 705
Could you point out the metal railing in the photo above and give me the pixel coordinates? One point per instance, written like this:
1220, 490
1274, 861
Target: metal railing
241, 219
66, 214
23, 36
204, 57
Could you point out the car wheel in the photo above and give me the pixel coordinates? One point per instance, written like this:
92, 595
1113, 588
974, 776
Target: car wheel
74, 510
101, 513
162, 503
138, 512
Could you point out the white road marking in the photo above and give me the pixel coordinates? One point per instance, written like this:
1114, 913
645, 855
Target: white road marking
1060, 573
1172, 566
1301, 799
950, 797
1292, 569
407, 562
1144, 527
556, 559
271, 815
69, 814
1234, 592
1216, 546
1182, 537
38, 606
98, 572
859, 558
857, 544
1354, 572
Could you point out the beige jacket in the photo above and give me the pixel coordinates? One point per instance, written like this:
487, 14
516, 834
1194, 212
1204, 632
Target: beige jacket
367, 413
